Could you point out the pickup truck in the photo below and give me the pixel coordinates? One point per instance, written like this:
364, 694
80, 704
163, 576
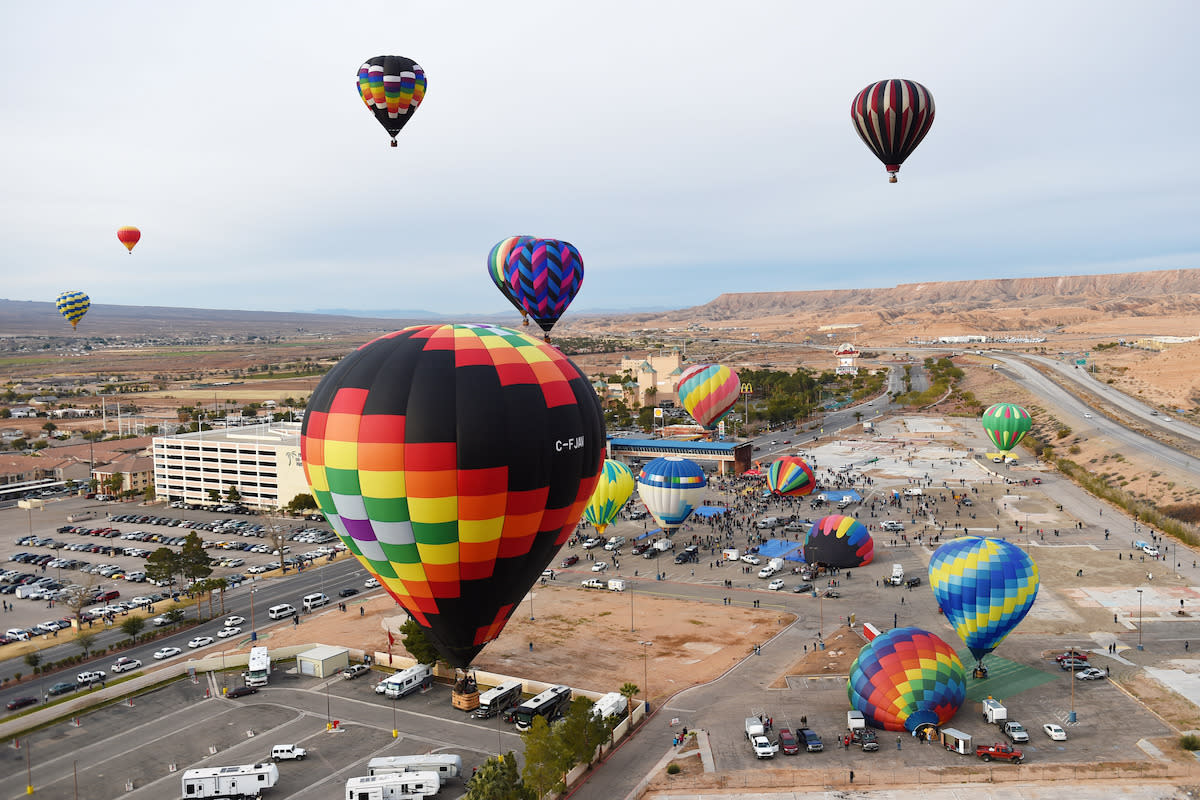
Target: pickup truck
1015, 731
1000, 752
762, 747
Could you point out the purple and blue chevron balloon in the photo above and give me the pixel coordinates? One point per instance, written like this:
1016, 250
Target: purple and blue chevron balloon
545, 275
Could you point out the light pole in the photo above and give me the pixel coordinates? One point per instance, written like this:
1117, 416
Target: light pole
646, 670
1139, 591
631, 607
1071, 716
253, 632
531, 604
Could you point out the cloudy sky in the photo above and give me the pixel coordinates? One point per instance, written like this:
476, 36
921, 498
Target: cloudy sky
686, 148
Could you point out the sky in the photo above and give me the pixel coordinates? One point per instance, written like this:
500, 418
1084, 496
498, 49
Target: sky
688, 149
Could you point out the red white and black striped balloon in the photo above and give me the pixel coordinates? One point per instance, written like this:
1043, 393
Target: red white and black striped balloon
892, 117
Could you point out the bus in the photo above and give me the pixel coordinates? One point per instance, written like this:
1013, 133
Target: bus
493, 701
550, 704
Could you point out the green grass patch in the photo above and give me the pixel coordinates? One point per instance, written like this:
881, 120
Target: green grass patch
1005, 678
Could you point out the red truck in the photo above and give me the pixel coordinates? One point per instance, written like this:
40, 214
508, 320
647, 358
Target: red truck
1000, 752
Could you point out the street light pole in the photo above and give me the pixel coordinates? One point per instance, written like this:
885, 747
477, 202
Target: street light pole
1071, 716
1139, 591
646, 670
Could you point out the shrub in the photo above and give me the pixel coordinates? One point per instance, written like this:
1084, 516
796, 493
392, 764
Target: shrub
1189, 741
673, 768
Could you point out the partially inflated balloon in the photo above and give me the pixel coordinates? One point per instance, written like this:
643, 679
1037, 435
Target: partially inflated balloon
545, 275
906, 678
671, 489
838, 541
392, 87
612, 492
1006, 424
892, 117
791, 477
496, 263
129, 236
985, 587
73, 305
708, 391
454, 461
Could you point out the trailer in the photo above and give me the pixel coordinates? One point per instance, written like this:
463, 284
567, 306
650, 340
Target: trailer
956, 740
444, 765
612, 704
229, 783
399, 786
994, 711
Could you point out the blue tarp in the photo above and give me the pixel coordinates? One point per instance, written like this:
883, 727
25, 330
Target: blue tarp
778, 548
710, 511
833, 495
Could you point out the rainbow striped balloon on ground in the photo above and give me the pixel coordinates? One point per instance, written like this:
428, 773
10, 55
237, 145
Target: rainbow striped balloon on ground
1006, 424
671, 489
612, 492
838, 541
73, 305
791, 477
985, 587
905, 679
708, 391
454, 461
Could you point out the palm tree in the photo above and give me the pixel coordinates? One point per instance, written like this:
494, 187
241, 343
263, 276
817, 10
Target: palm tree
630, 691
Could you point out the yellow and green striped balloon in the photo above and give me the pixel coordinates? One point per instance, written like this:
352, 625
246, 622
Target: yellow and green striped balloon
613, 491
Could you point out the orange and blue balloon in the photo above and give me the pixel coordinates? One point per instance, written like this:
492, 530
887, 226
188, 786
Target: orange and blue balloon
905, 679
612, 492
985, 587
790, 476
708, 392
73, 305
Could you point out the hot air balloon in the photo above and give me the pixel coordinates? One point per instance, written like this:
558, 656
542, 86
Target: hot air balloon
545, 275
1006, 424
454, 461
892, 117
708, 391
791, 477
614, 489
905, 679
985, 587
671, 488
392, 87
129, 236
838, 541
73, 305
496, 263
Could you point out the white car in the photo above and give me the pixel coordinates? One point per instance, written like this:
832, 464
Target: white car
371, 583
225, 633
775, 585
161, 620
1085, 416
257, 569
750, 558
1055, 732
1150, 550
125, 664
234, 621
166, 652
1090, 674
200, 641
600, 566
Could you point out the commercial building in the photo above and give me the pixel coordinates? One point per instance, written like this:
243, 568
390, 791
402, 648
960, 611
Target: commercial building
261, 461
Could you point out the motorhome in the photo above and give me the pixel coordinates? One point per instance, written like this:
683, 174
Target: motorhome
612, 704
258, 669
406, 681
230, 782
550, 704
493, 701
445, 765
398, 786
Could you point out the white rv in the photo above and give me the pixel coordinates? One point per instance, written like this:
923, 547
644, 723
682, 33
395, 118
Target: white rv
407, 681
400, 786
258, 670
229, 782
494, 701
612, 704
444, 765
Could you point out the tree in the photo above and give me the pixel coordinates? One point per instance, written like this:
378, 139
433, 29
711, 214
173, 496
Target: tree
33, 659
498, 779
233, 495
278, 537
174, 616
417, 643
49, 427
546, 759
115, 483
303, 502
214, 495
194, 563
148, 492
85, 640
132, 626
630, 691
162, 565
582, 732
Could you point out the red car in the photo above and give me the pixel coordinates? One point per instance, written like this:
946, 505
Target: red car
788, 743
20, 702
1071, 654
1037, 480
568, 561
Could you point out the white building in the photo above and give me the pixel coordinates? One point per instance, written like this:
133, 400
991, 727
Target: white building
261, 461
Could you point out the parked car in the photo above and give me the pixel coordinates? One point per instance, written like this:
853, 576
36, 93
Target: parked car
90, 677
225, 633
1073, 663
349, 591
812, 742
1079, 654
569, 561
354, 670
371, 583
801, 588
600, 566
61, 688
166, 652
234, 621
776, 585
1090, 674
911, 582
200, 641
787, 742
20, 702
1055, 732
125, 664
242, 691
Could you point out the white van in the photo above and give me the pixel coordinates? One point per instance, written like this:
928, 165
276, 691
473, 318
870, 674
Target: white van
897, 575
280, 611
768, 522
616, 585
314, 600
615, 543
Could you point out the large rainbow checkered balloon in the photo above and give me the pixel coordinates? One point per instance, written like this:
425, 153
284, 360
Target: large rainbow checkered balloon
985, 587
906, 678
838, 541
612, 492
708, 391
454, 461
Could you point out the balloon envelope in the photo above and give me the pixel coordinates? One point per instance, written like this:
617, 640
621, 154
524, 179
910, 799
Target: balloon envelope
545, 275
708, 391
892, 117
392, 87
791, 476
612, 492
129, 236
906, 678
454, 461
839, 541
498, 260
1006, 425
671, 489
985, 587
73, 305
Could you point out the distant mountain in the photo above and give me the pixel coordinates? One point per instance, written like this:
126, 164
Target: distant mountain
407, 313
